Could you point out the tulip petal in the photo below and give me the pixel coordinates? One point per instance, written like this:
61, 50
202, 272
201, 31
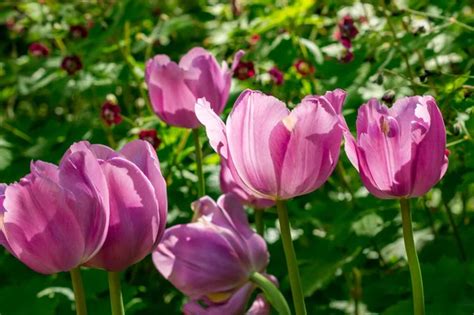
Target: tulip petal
210, 81
215, 128
39, 231
134, 221
229, 185
260, 306
81, 175
3, 239
198, 261
312, 150
248, 130
431, 161
171, 98
142, 154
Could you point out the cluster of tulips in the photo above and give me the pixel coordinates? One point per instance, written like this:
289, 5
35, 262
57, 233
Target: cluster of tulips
107, 209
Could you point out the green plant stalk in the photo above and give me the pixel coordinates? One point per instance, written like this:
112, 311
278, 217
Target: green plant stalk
413, 263
200, 174
292, 265
116, 301
454, 227
78, 288
273, 295
259, 223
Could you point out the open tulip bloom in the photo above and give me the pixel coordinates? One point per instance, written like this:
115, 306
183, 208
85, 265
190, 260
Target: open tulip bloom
400, 152
98, 208
276, 154
215, 259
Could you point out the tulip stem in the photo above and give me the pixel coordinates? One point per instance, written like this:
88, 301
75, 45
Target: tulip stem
200, 174
293, 272
116, 301
78, 287
273, 295
413, 263
259, 224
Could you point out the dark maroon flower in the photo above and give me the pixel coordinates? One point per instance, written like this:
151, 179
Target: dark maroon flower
150, 136
303, 67
346, 31
78, 31
38, 50
71, 64
254, 39
276, 75
244, 70
110, 113
347, 57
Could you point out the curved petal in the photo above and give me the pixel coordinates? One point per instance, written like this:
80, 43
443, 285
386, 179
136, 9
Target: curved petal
248, 129
170, 96
211, 81
142, 154
215, 128
430, 163
229, 185
134, 220
198, 261
313, 147
40, 227
3, 239
260, 306
81, 176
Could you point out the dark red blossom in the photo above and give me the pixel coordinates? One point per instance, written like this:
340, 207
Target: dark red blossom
71, 64
303, 67
111, 113
244, 70
150, 136
346, 31
38, 50
276, 75
78, 31
347, 56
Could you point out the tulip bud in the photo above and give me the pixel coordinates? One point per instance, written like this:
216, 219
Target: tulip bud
275, 153
211, 260
174, 88
399, 151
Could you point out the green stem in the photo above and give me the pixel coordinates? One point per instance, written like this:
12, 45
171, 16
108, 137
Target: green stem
200, 174
413, 263
259, 223
293, 272
273, 295
116, 301
78, 288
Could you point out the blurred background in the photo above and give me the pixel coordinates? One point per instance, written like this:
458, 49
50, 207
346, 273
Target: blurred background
65, 66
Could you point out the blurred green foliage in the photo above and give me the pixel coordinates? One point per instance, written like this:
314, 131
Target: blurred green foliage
348, 243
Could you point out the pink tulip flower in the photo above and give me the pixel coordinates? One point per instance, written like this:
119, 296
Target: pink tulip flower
211, 259
174, 88
138, 202
274, 153
56, 218
400, 152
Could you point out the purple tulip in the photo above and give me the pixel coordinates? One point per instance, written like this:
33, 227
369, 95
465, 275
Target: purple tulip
274, 153
210, 260
229, 185
174, 88
138, 203
399, 151
56, 218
